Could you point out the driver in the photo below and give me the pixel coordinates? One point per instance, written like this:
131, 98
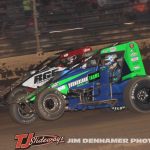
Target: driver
71, 59
111, 61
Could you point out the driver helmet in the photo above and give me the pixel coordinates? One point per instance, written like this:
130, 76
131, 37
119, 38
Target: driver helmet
71, 59
110, 59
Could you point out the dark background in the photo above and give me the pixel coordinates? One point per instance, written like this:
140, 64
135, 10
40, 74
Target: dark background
90, 22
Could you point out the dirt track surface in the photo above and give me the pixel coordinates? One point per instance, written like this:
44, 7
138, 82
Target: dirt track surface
86, 124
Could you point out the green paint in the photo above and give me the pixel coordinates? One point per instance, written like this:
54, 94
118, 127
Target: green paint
63, 89
33, 98
132, 56
94, 76
64, 81
129, 76
60, 85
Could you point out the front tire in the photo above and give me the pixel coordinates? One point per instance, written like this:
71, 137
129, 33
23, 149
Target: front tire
137, 95
50, 104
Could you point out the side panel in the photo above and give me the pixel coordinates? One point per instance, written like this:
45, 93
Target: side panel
132, 57
134, 60
40, 78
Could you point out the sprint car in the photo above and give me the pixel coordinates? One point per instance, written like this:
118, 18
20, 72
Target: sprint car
112, 77
43, 72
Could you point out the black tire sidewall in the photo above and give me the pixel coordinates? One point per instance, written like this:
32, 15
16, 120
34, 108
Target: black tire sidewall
13, 108
13, 93
130, 95
14, 113
42, 111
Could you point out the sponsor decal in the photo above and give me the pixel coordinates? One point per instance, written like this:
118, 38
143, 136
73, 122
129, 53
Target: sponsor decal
131, 50
135, 59
133, 54
90, 78
66, 55
94, 76
61, 88
78, 82
137, 67
38, 79
133, 91
44, 76
55, 84
113, 49
87, 50
24, 141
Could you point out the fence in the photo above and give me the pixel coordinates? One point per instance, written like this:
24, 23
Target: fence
30, 26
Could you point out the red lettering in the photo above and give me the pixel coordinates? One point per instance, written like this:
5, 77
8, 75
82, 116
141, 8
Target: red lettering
20, 138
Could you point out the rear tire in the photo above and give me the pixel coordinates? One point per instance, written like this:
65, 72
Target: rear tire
14, 107
137, 95
50, 104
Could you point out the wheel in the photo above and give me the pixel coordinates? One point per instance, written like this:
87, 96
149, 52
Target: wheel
21, 111
137, 95
50, 104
